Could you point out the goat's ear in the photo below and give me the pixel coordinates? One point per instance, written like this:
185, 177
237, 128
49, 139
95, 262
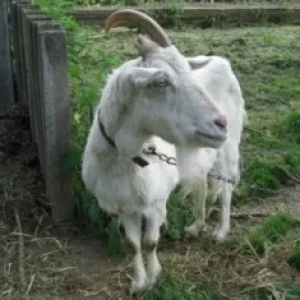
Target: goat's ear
198, 62
145, 46
140, 77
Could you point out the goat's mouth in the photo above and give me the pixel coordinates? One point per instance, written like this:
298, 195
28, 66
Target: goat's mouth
219, 138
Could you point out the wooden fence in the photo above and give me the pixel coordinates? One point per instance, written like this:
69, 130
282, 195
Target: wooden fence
41, 73
218, 15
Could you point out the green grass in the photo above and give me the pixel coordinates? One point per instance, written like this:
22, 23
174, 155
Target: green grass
273, 230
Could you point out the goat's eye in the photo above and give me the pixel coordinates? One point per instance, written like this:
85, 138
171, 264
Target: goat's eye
161, 82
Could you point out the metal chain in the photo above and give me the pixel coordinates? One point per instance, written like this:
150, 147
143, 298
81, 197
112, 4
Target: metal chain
163, 157
219, 177
173, 161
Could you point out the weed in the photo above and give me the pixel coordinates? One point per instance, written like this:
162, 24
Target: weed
286, 292
116, 243
175, 287
260, 294
278, 226
294, 258
257, 240
234, 241
290, 126
177, 221
291, 291
273, 230
262, 172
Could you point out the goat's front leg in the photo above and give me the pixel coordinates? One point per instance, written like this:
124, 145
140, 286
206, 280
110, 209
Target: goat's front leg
151, 238
199, 193
221, 232
133, 230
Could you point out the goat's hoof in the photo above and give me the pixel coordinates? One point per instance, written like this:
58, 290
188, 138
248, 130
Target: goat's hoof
154, 274
193, 231
219, 236
137, 287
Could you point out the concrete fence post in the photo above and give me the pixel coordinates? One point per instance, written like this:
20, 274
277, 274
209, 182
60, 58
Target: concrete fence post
41, 68
54, 96
6, 73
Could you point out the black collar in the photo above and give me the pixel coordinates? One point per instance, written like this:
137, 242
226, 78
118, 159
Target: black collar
137, 159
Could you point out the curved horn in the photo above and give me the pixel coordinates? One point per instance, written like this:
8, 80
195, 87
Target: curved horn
140, 20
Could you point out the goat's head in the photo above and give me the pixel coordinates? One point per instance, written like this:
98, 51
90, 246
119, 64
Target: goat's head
166, 98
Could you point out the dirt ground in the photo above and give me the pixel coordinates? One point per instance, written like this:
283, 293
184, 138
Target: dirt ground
43, 260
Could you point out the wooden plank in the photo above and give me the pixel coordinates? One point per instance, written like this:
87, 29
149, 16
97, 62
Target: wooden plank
53, 75
216, 15
6, 71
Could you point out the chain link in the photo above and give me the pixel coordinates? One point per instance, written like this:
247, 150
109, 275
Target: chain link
219, 177
163, 157
173, 161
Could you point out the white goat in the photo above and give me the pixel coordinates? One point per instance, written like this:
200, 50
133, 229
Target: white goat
162, 100
222, 165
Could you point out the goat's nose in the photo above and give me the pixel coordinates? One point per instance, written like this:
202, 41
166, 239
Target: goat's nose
221, 122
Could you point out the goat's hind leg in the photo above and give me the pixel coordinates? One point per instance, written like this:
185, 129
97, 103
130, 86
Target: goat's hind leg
133, 230
199, 193
151, 239
228, 165
225, 198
